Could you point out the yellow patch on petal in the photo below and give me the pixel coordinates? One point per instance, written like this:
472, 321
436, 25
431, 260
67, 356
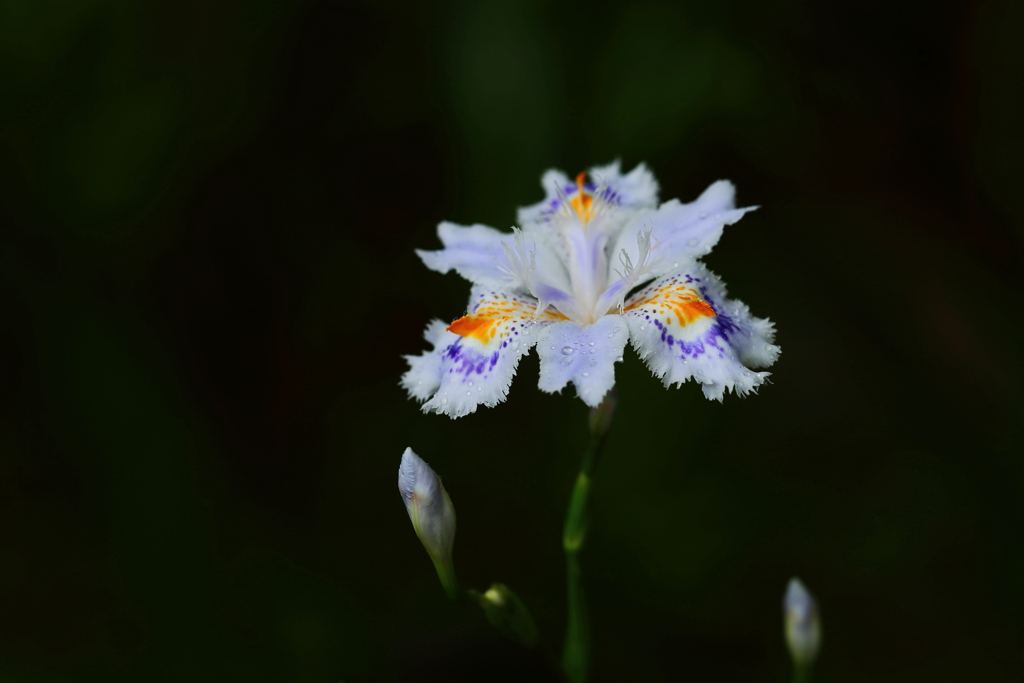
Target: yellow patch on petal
583, 202
490, 318
679, 300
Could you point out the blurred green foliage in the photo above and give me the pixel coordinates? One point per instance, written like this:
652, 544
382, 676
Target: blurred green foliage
207, 274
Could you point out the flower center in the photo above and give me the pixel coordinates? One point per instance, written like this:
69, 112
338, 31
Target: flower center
583, 201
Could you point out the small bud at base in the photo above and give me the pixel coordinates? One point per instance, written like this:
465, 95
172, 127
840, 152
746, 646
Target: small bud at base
802, 624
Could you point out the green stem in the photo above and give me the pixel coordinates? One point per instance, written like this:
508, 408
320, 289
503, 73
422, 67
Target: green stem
446, 572
802, 674
576, 655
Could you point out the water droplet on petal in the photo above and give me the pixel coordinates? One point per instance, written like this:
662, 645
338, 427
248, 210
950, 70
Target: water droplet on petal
586, 374
619, 359
642, 328
566, 350
591, 343
692, 242
444, 401
470, 382
610, 335
703, 214
566, 361
615, 330
469, 393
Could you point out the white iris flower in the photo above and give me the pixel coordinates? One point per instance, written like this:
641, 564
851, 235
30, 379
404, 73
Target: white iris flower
595, 264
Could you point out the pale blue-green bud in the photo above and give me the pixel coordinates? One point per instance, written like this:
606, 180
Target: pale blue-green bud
432, 515
802, 624
508, 614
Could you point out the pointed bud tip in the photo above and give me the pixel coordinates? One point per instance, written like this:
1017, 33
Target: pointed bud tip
413, 476
798, 598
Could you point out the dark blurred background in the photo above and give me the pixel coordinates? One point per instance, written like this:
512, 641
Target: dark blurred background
208, 217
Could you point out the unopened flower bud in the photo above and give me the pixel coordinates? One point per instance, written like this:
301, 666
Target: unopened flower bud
508, 614
432, 515
802, 625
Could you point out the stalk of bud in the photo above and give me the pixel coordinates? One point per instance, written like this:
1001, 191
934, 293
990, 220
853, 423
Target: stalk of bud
802, 628
432, 515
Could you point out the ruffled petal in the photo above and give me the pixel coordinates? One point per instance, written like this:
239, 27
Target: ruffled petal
423, 377
556, 185
637, 189
681, 232
478, 365
607, 186
582, 354
475, 252
684, 327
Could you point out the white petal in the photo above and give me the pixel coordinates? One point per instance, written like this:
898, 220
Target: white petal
478, 366
556, 185
684, 327
582, 354
474, 252
424, 374
682, 232
636, 189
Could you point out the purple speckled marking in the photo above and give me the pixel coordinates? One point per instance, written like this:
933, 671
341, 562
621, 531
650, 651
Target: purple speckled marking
607, 194
468, 362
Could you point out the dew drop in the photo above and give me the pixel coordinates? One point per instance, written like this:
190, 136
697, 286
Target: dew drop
642, 328
566, 361
692, 242
615, 330
586, 374
703, 214
470, 382
469, 393
444, 401
566, 350
610, 335
591, 343
619, 359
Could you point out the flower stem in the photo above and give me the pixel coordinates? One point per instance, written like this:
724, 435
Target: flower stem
576, 655
802, 674
446, 573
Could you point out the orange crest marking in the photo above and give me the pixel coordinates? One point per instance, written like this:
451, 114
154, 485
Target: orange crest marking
490, 319
684, 302
471, 326
583, 202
